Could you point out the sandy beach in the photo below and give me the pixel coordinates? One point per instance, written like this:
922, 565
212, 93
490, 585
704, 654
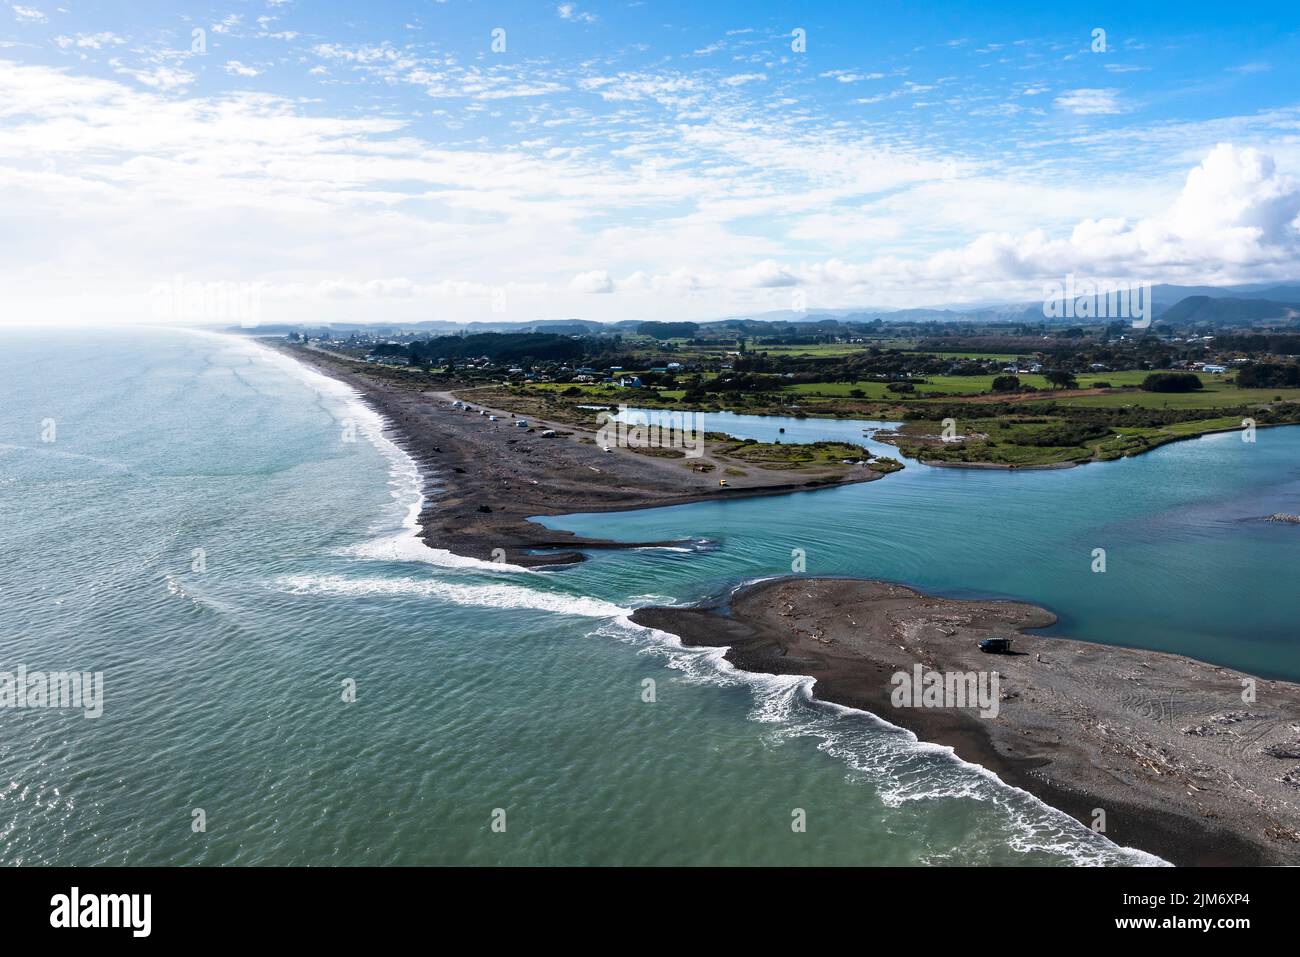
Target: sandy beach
485, 479
1182, 766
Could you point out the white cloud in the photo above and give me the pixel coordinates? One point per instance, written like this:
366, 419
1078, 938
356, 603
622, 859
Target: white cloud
160, 77
89, 41
1088, 102
701, 203
766, 275
595, 281
28, 14
1235, 219
235, 68
570, 11
228, 23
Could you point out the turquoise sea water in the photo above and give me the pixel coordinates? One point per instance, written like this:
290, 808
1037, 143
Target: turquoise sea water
480, 688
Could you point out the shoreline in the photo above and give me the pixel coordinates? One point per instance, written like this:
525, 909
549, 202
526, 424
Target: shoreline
448, 449
483, 482
1162, 743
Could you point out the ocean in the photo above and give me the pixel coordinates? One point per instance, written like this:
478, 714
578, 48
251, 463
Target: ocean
291, 677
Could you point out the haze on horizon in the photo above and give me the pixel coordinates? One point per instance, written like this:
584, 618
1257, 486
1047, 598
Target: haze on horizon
646, 160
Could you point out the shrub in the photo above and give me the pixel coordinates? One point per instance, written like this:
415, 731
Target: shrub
1269, 375
1171, 382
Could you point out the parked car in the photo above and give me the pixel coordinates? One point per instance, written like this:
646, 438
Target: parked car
996, 646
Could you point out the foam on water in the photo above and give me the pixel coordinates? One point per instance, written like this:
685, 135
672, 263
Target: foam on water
501, 596
900, 767
405, 481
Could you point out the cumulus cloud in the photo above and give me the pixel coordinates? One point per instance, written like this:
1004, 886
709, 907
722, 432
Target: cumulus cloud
766, 275
1235, 218
595, 281
1236, 214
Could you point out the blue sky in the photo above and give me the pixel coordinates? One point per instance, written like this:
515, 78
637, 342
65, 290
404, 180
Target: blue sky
472, 160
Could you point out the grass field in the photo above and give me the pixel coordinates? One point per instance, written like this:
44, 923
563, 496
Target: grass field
1223, 397
942, 384
1216, 392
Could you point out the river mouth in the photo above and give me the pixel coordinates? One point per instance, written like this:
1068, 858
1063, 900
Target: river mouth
1184, 545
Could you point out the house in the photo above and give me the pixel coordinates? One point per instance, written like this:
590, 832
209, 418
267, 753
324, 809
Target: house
630, 382
1215, 369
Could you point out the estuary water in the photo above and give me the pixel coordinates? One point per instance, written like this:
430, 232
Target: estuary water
228, 538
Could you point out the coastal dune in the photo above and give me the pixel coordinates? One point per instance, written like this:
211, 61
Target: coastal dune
1195, 763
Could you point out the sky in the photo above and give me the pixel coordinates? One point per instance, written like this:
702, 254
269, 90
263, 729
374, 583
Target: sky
291, 161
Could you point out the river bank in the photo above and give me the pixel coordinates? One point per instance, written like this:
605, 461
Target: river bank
1164, 745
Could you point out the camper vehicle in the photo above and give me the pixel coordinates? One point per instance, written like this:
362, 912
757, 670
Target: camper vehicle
996, 646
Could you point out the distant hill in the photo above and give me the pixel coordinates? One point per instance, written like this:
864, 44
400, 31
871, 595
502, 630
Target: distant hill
1229, 311
1240, 304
